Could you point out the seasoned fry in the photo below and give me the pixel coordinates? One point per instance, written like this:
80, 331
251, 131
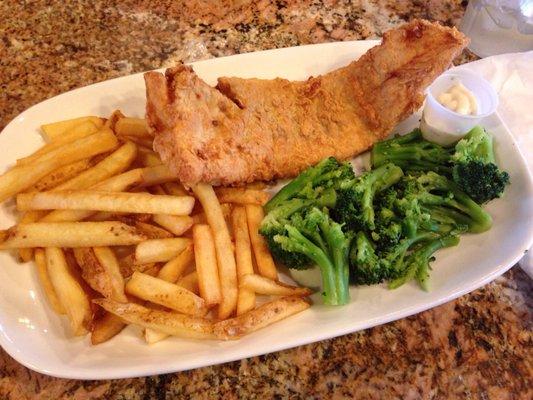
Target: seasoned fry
71, 234
243, 257
55, 130
109, 262
190, 282
157, 189
61, 175
71, 295
141, 142
177, 224
128, 266
241, 196
128, 126
106, 201
173, 269
83, 130
156, 175
159, 250
263, 258
115, 163
206, 265
166, 294
260, 317
170, 272
175, 189
167, 322
20, 178
227, 269
152, 231
113, 119
44, 278
92, 271
148, 158
105, 328
261, 285
114, 184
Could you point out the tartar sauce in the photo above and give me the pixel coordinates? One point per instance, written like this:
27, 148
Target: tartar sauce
459, 99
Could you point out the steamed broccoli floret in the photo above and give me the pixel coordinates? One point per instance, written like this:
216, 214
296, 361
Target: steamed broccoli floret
311, 183
317, 237
433, 190
475, 171
355, 202
417, 263
365, 265
412, 153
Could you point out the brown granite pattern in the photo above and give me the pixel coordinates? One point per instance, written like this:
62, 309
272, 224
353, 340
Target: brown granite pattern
477, 347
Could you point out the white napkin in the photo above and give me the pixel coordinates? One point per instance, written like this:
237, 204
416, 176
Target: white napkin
511, 75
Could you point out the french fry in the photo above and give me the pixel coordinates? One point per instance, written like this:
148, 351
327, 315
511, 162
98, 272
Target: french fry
106, 201
115, 163
206, 265
190, 282
170, 272
71, 295
128, 266
128, 126
177, 224
114, 184
83, 130
199, 218
159, 250
262, 316
157, 189
174, 268
227, 269
243, 258
92, 271
71, 234
21, 178
140, 141
152, 231
175, 189
148, 158
61, 175
166, 294
261, 285
113, 119
44, 278
263, 258
156, 175
55, 130
109, 262
167, 322
241, 196
105, 328
152, 336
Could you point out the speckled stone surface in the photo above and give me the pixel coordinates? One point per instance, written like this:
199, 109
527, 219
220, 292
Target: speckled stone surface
477, 347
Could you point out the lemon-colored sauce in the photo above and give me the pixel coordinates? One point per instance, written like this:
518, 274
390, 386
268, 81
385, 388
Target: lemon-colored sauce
459, 99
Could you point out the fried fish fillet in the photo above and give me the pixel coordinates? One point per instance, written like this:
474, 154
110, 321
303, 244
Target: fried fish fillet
245, 130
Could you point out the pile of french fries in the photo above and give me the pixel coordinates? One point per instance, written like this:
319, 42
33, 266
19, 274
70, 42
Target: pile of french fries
118, 240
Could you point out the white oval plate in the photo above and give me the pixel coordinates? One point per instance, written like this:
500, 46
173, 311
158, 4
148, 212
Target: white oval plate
34, 336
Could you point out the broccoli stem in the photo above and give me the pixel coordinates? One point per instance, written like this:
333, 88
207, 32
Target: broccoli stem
298, 242
378, 180
339, 247
411, 152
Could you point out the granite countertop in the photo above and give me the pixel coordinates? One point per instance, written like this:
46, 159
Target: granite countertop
479, 346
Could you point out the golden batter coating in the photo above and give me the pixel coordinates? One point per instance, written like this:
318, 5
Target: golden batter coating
245, 130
